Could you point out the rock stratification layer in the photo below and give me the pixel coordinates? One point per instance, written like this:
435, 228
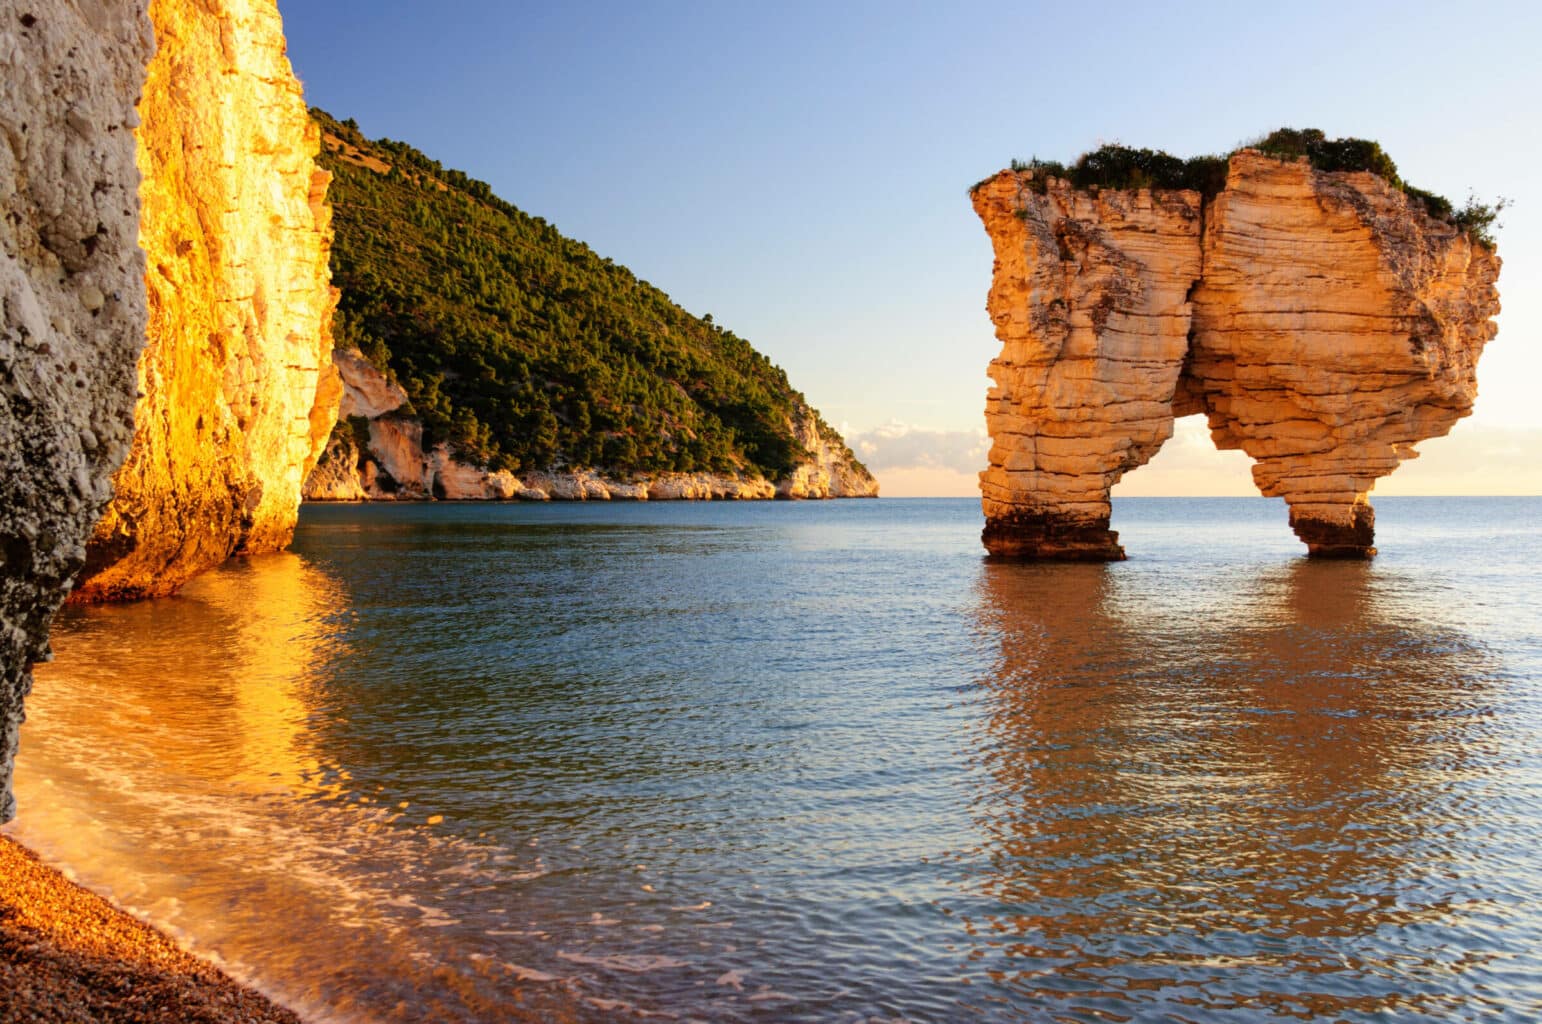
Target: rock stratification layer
1090, 302
1323, 323
237, 395
72, 307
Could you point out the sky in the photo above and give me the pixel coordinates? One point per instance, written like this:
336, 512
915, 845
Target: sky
799, 170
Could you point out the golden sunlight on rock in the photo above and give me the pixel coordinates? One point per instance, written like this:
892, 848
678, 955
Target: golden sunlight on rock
235, 396
1323, 323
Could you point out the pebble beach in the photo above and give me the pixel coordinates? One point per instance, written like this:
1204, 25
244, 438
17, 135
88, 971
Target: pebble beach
67, 955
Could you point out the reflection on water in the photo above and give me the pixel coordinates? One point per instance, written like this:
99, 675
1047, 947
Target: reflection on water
1254, 796
788, 763
172, 751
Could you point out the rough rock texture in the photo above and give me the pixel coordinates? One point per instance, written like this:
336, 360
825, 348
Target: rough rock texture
1335, 327
72, 307
834, 473
376, 453
1090, 303
237, 401
1322, 322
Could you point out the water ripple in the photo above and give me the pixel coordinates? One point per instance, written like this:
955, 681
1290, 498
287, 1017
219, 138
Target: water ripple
802, 762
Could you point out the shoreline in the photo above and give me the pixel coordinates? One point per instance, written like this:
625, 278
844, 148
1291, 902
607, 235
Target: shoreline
69, 955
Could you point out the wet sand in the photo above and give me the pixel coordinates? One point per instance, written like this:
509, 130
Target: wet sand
67, 955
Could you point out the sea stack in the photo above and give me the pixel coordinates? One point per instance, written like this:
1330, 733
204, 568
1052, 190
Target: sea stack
1324, 322
72, 308
237, 391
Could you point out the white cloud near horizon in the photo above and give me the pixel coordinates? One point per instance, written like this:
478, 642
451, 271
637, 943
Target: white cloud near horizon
897, 445
914, 462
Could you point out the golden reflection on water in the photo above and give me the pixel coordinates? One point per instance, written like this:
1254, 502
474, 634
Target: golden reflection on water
215, 681
164, 737
177, 759
1186, 790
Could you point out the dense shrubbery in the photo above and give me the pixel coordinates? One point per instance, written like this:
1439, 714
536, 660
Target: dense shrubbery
1327, 154
1124, 167
525, 349
1121, 167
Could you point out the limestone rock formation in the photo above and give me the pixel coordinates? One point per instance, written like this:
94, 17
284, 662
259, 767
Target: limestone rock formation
377, 453
834, 471
1322, 321
237, 395
72, 307
1090, 302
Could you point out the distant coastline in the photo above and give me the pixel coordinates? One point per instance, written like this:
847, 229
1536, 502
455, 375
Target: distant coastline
447, 480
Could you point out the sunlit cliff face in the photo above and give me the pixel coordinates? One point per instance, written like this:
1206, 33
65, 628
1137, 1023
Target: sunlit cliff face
1322, 322
237, 393
233, 397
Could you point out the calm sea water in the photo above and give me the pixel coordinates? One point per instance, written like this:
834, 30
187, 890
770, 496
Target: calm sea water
821, 762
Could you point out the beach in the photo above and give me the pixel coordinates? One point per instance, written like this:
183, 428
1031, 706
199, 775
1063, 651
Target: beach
66, 954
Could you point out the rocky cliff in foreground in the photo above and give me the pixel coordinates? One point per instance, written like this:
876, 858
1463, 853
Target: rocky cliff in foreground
237, 397
72, 307
1324, 322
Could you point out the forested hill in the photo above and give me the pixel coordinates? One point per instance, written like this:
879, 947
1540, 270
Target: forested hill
524, 349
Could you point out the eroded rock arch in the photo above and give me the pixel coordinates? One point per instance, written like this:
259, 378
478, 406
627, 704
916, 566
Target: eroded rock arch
1322, 322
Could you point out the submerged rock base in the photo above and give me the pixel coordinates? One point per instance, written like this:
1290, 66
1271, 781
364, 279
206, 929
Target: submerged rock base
1040, 536
1351, 536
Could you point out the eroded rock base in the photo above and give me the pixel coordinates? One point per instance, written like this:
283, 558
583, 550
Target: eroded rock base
1352, 535
1036, 536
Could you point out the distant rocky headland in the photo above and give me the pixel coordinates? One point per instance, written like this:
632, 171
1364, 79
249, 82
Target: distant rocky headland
1322, 314
484, 355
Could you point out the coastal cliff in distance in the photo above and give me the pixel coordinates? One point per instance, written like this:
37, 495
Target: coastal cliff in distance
237, 397
1322, 315
483, 355
72, 309
378, 453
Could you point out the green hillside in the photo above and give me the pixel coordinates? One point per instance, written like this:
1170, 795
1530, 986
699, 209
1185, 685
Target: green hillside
525, 349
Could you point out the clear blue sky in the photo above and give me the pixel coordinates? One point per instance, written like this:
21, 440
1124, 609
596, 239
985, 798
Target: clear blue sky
799, 170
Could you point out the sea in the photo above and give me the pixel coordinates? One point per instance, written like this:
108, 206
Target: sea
821, 761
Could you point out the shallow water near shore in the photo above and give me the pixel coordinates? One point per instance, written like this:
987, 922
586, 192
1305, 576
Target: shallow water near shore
821, 762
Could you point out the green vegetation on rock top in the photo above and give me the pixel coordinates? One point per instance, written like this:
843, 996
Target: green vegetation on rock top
525, 349
1122, 167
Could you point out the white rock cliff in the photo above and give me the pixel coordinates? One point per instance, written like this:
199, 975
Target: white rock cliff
377, 454
72, 306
